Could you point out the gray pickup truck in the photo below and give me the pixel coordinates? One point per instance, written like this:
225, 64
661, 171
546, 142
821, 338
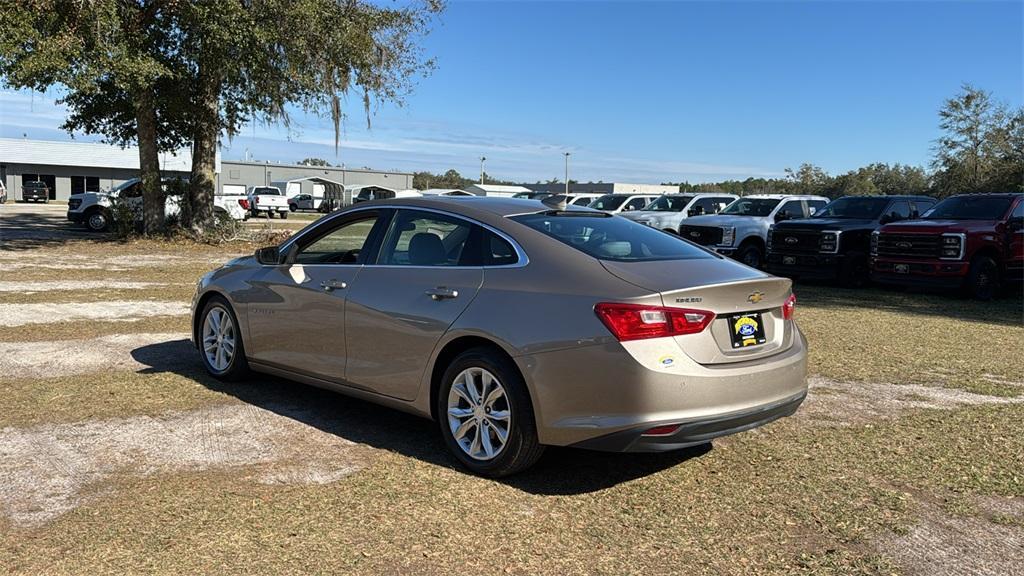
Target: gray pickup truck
37, 191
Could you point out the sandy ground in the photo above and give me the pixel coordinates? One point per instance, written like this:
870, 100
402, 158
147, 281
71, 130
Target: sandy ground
123, 310
51, 285
944, 545
68, 357
47, 470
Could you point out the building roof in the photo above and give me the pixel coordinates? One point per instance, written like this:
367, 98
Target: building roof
90, 154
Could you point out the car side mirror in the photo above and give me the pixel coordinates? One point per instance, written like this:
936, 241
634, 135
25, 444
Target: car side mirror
782, 215
268, 256
885, 219
694, 212
1016, 224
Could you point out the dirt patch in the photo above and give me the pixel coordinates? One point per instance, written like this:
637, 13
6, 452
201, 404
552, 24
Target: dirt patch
50, 286
845, 403
48, 470
941, 544
50, 359
123, 310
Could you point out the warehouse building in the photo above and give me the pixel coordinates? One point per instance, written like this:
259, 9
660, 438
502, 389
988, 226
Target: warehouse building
604, 188
73, 167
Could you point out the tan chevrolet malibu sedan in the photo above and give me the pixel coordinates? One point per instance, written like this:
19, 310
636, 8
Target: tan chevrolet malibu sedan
514, 324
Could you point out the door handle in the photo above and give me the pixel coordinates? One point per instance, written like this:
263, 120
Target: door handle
440, 293
329, 285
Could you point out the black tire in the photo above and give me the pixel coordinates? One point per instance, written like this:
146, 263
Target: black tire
521, 449
284, 215
854, 272
270, 214
97, 220
293, 207
751, 255
982, 281
238, 367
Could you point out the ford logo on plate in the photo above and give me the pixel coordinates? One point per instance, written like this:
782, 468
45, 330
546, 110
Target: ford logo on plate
791, 240
903, 244
694, 234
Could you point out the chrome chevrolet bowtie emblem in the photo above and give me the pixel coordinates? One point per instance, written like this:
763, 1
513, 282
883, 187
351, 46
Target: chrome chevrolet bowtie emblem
755, 297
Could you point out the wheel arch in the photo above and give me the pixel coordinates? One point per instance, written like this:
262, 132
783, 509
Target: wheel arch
450, 350
201, 303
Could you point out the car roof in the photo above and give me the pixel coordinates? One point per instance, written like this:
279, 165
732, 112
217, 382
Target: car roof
467, 205
784, 196
992, 194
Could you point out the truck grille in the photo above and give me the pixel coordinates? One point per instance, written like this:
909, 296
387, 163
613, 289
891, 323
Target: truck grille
909, 245
703, 235
791, 241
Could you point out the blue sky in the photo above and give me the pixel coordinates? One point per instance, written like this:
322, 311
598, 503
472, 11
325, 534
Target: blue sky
661, 91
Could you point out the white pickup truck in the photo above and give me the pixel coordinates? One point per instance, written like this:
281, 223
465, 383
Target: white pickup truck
93, 209
268, 200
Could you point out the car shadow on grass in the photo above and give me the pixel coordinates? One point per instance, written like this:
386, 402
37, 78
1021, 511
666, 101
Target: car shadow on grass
561, 471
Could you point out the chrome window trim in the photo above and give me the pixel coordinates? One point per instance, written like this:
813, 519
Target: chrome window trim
523, 259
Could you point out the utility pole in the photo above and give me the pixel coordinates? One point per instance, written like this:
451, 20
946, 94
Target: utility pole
567, 174
482, 160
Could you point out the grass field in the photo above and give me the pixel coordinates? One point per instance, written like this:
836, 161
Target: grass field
118, 455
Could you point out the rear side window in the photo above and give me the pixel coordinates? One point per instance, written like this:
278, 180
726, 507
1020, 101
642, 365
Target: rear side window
428, 239
815, 206
613, 238
497, 251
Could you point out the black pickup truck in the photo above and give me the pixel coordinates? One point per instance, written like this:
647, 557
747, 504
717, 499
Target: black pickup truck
835, 243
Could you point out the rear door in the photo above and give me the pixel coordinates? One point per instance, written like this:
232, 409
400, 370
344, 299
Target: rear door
428, 271
296, 311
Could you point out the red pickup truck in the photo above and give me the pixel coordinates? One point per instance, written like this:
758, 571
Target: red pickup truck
971, 242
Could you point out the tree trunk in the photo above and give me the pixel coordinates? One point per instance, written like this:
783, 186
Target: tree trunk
149, 162
206, 132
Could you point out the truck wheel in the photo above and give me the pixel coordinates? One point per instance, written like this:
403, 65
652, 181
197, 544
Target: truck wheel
293, 207
982, 280
284, 215
750, 255
270, 214
97, 220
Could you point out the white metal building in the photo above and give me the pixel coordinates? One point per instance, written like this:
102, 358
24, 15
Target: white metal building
495, 190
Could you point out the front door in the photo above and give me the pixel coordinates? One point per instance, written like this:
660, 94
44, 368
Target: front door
1015, 227
296, 311
428, 272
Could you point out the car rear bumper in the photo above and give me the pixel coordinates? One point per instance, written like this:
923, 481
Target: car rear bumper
600, 397
810, 266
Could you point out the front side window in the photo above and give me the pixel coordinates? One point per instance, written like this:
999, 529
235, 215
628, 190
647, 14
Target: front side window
636, 204
792, 209
611, 238
342, 245
669, 204
751, 207
421, 238
899, 211
582, 201
970, 208
607, 202
814, 206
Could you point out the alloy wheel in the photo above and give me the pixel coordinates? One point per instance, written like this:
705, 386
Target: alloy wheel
479, 414
218, 338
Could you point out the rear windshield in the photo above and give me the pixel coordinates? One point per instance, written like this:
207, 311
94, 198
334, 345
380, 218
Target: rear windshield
608, 202
613, 238
751, 207
669, 204
267, 191
969, 208
859, 207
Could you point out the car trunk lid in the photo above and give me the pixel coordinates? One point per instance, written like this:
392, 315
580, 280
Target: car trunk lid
737, 294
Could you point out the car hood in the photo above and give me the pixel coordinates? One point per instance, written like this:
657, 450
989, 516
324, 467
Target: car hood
670, 275
825, 224
940, 226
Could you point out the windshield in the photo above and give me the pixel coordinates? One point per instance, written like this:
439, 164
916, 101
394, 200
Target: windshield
668, 204
868, 208
608, 202
751, 207
970, 208
612, 238
266, 192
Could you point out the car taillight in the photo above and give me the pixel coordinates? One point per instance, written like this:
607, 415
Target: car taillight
637, 322
788, 307
244, 203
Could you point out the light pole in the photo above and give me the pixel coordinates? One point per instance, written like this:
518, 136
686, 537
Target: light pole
482, 160
567, 174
